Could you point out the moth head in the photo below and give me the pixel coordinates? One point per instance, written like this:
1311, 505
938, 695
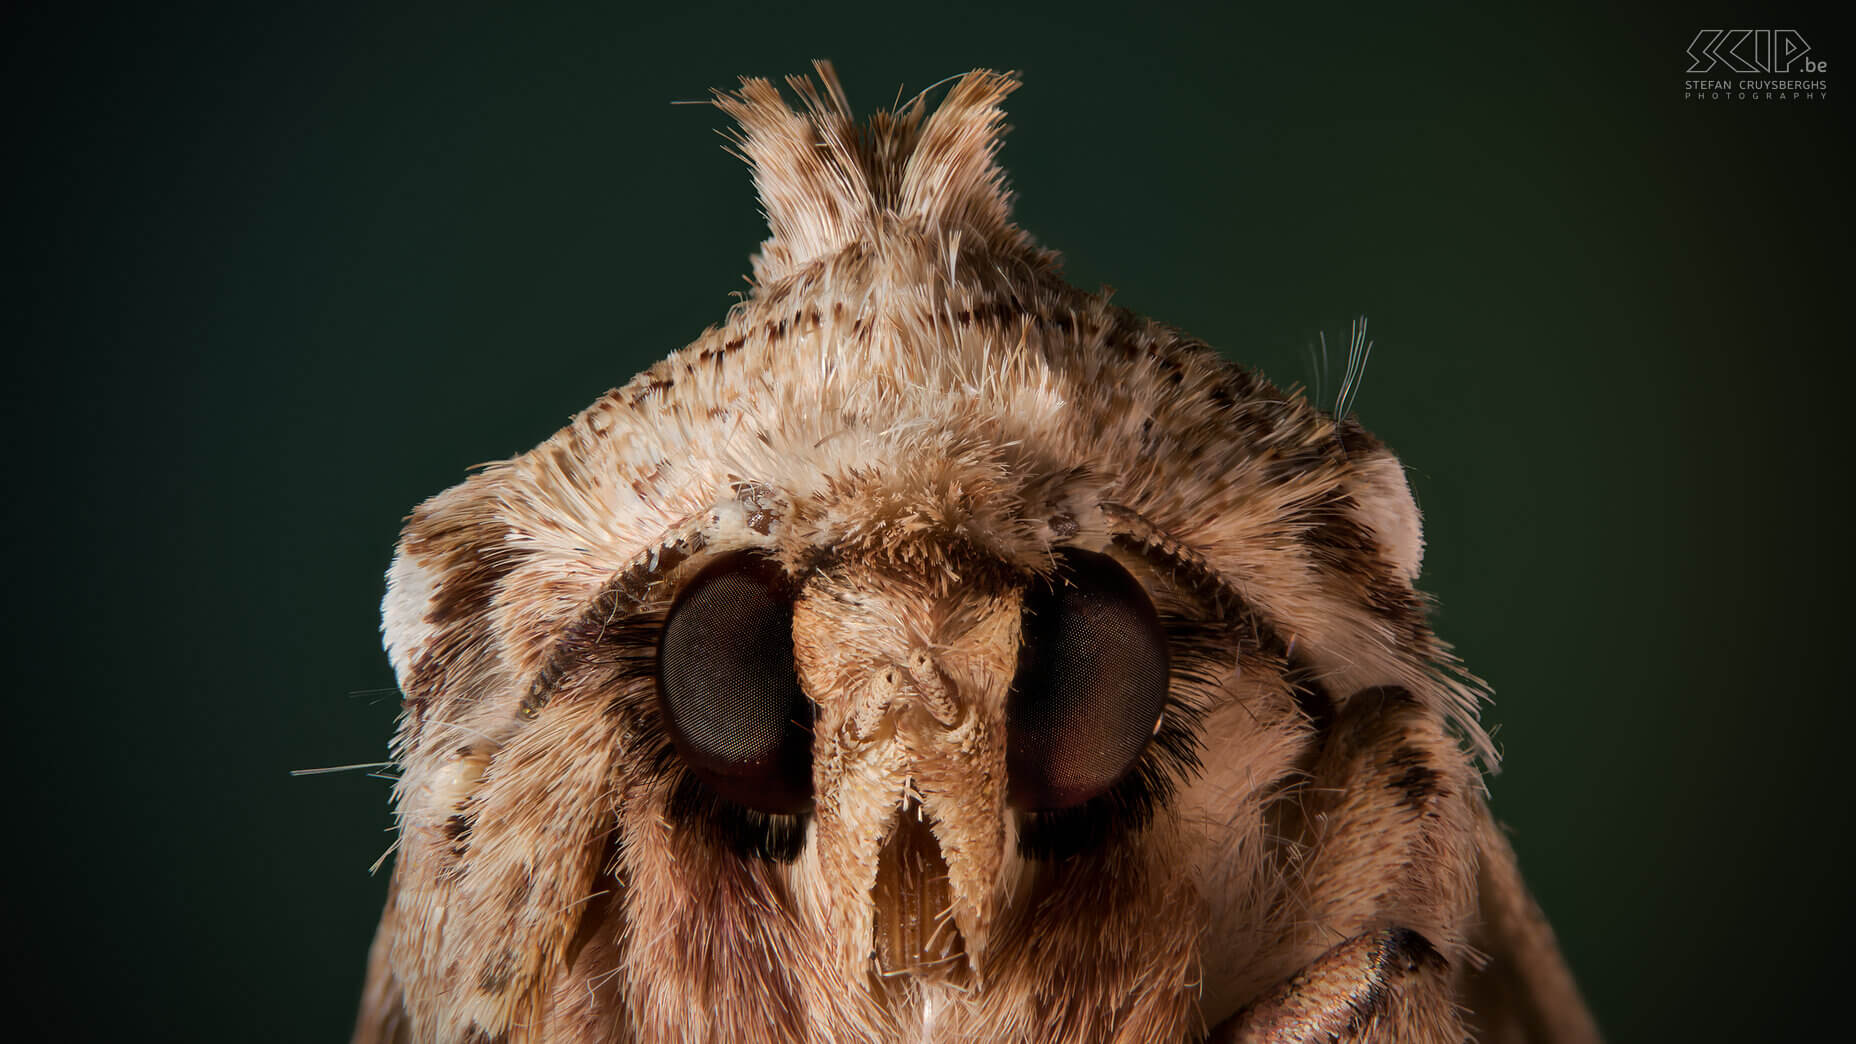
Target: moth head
903, 706
920, 647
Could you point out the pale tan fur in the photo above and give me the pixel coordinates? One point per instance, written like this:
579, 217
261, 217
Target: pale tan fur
912, 413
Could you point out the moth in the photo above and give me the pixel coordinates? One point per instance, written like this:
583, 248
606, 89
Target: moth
933, 651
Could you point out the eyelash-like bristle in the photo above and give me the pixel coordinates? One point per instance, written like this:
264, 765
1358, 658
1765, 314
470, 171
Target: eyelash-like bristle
625, 644
1170, 759
691, 805
748, 833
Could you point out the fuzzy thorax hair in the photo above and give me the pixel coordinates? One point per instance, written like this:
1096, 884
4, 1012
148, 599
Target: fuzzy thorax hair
914, 417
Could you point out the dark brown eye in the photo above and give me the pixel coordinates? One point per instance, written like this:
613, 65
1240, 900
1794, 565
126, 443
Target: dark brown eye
728, 688
1091, 684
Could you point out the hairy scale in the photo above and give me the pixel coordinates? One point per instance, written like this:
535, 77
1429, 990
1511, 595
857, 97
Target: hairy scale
908, 432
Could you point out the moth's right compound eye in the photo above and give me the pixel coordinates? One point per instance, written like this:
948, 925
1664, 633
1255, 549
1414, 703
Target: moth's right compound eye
1091, 686
728, 688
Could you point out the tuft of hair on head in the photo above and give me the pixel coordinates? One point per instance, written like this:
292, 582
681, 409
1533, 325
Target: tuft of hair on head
826, 182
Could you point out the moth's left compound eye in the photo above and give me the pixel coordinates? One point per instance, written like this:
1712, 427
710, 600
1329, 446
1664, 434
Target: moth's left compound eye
728, 688
1091, 686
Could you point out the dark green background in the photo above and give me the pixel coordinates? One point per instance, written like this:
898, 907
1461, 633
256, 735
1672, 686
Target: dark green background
280, 275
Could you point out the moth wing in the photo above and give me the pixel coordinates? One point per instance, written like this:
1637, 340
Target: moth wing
1524, 992
382, 1018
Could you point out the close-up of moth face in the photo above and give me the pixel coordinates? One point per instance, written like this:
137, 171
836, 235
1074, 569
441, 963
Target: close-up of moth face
934, 651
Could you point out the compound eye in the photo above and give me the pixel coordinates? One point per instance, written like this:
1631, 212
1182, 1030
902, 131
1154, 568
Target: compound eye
729, 691
1091, 683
